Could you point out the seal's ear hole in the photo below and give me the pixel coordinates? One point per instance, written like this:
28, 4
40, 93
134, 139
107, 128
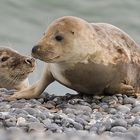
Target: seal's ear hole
4, 58
72, 32
59, 38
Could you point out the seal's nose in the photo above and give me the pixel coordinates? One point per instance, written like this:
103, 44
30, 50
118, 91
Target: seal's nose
35, 49
30, 61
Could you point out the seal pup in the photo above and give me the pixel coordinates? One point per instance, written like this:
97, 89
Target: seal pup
14, 69
92, 58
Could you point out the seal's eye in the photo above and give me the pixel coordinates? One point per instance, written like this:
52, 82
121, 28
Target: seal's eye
59, 38
3, 59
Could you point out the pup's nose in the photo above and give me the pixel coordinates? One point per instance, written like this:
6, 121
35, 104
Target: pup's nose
35, 49
30, 61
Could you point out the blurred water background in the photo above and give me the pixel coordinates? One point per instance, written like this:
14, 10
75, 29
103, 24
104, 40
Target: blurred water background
22, 22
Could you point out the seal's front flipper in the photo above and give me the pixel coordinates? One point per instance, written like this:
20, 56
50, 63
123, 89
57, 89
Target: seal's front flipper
35, 90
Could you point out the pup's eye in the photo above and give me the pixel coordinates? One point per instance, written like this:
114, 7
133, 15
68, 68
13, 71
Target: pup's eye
59, 38
3, 59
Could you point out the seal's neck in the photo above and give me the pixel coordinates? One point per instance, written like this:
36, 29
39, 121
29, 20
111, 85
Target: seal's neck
16, 84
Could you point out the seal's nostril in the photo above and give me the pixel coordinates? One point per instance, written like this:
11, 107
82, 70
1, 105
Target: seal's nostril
35, 48
29, 61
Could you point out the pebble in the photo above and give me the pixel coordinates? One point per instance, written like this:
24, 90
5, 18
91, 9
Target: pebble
10, 122
31, 111
53, 127
36, 126
136, 109
129, 100
112, 110
137, 120
120, 122
77, 126
118, 129
123, 108
21, 121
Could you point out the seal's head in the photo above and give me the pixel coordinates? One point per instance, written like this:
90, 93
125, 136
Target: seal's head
62, 39
14, 67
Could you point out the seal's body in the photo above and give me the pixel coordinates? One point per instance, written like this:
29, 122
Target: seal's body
95, 58
112, 62
14, 69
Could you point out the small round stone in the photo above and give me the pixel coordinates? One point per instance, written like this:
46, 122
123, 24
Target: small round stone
112, 110
10, 122
119, 122
21, 121
77, 126
129, 100
123, 109
36, 126
137, 120
118, 129
136, 109
31, 111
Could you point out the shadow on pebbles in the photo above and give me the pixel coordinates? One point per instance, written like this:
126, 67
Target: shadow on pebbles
71, 117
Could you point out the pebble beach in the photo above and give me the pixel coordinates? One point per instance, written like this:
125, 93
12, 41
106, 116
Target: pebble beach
72, 117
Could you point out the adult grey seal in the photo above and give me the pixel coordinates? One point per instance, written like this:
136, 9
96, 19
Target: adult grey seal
92, 58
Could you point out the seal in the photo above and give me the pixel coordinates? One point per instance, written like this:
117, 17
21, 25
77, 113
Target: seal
91, 58
14, 69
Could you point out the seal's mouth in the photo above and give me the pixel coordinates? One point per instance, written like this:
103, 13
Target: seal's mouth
45, 56
47, 59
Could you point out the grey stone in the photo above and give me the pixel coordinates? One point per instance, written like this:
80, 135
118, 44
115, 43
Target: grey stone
136, 109
109, 99
81, 121
77, 126
30, 118
81, 108
95, 106
69, 130
118, 129
93, 129
107, 124
34, 101
120, 100
119, 122
19, 111
10, 122
84, 117
112, 110
41, 116
31, 111
129, 100
53, 127
41, 100
137, 120
137, 103
36, 126
47, 122
17, 105
123, 109
101, 129
2, 116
